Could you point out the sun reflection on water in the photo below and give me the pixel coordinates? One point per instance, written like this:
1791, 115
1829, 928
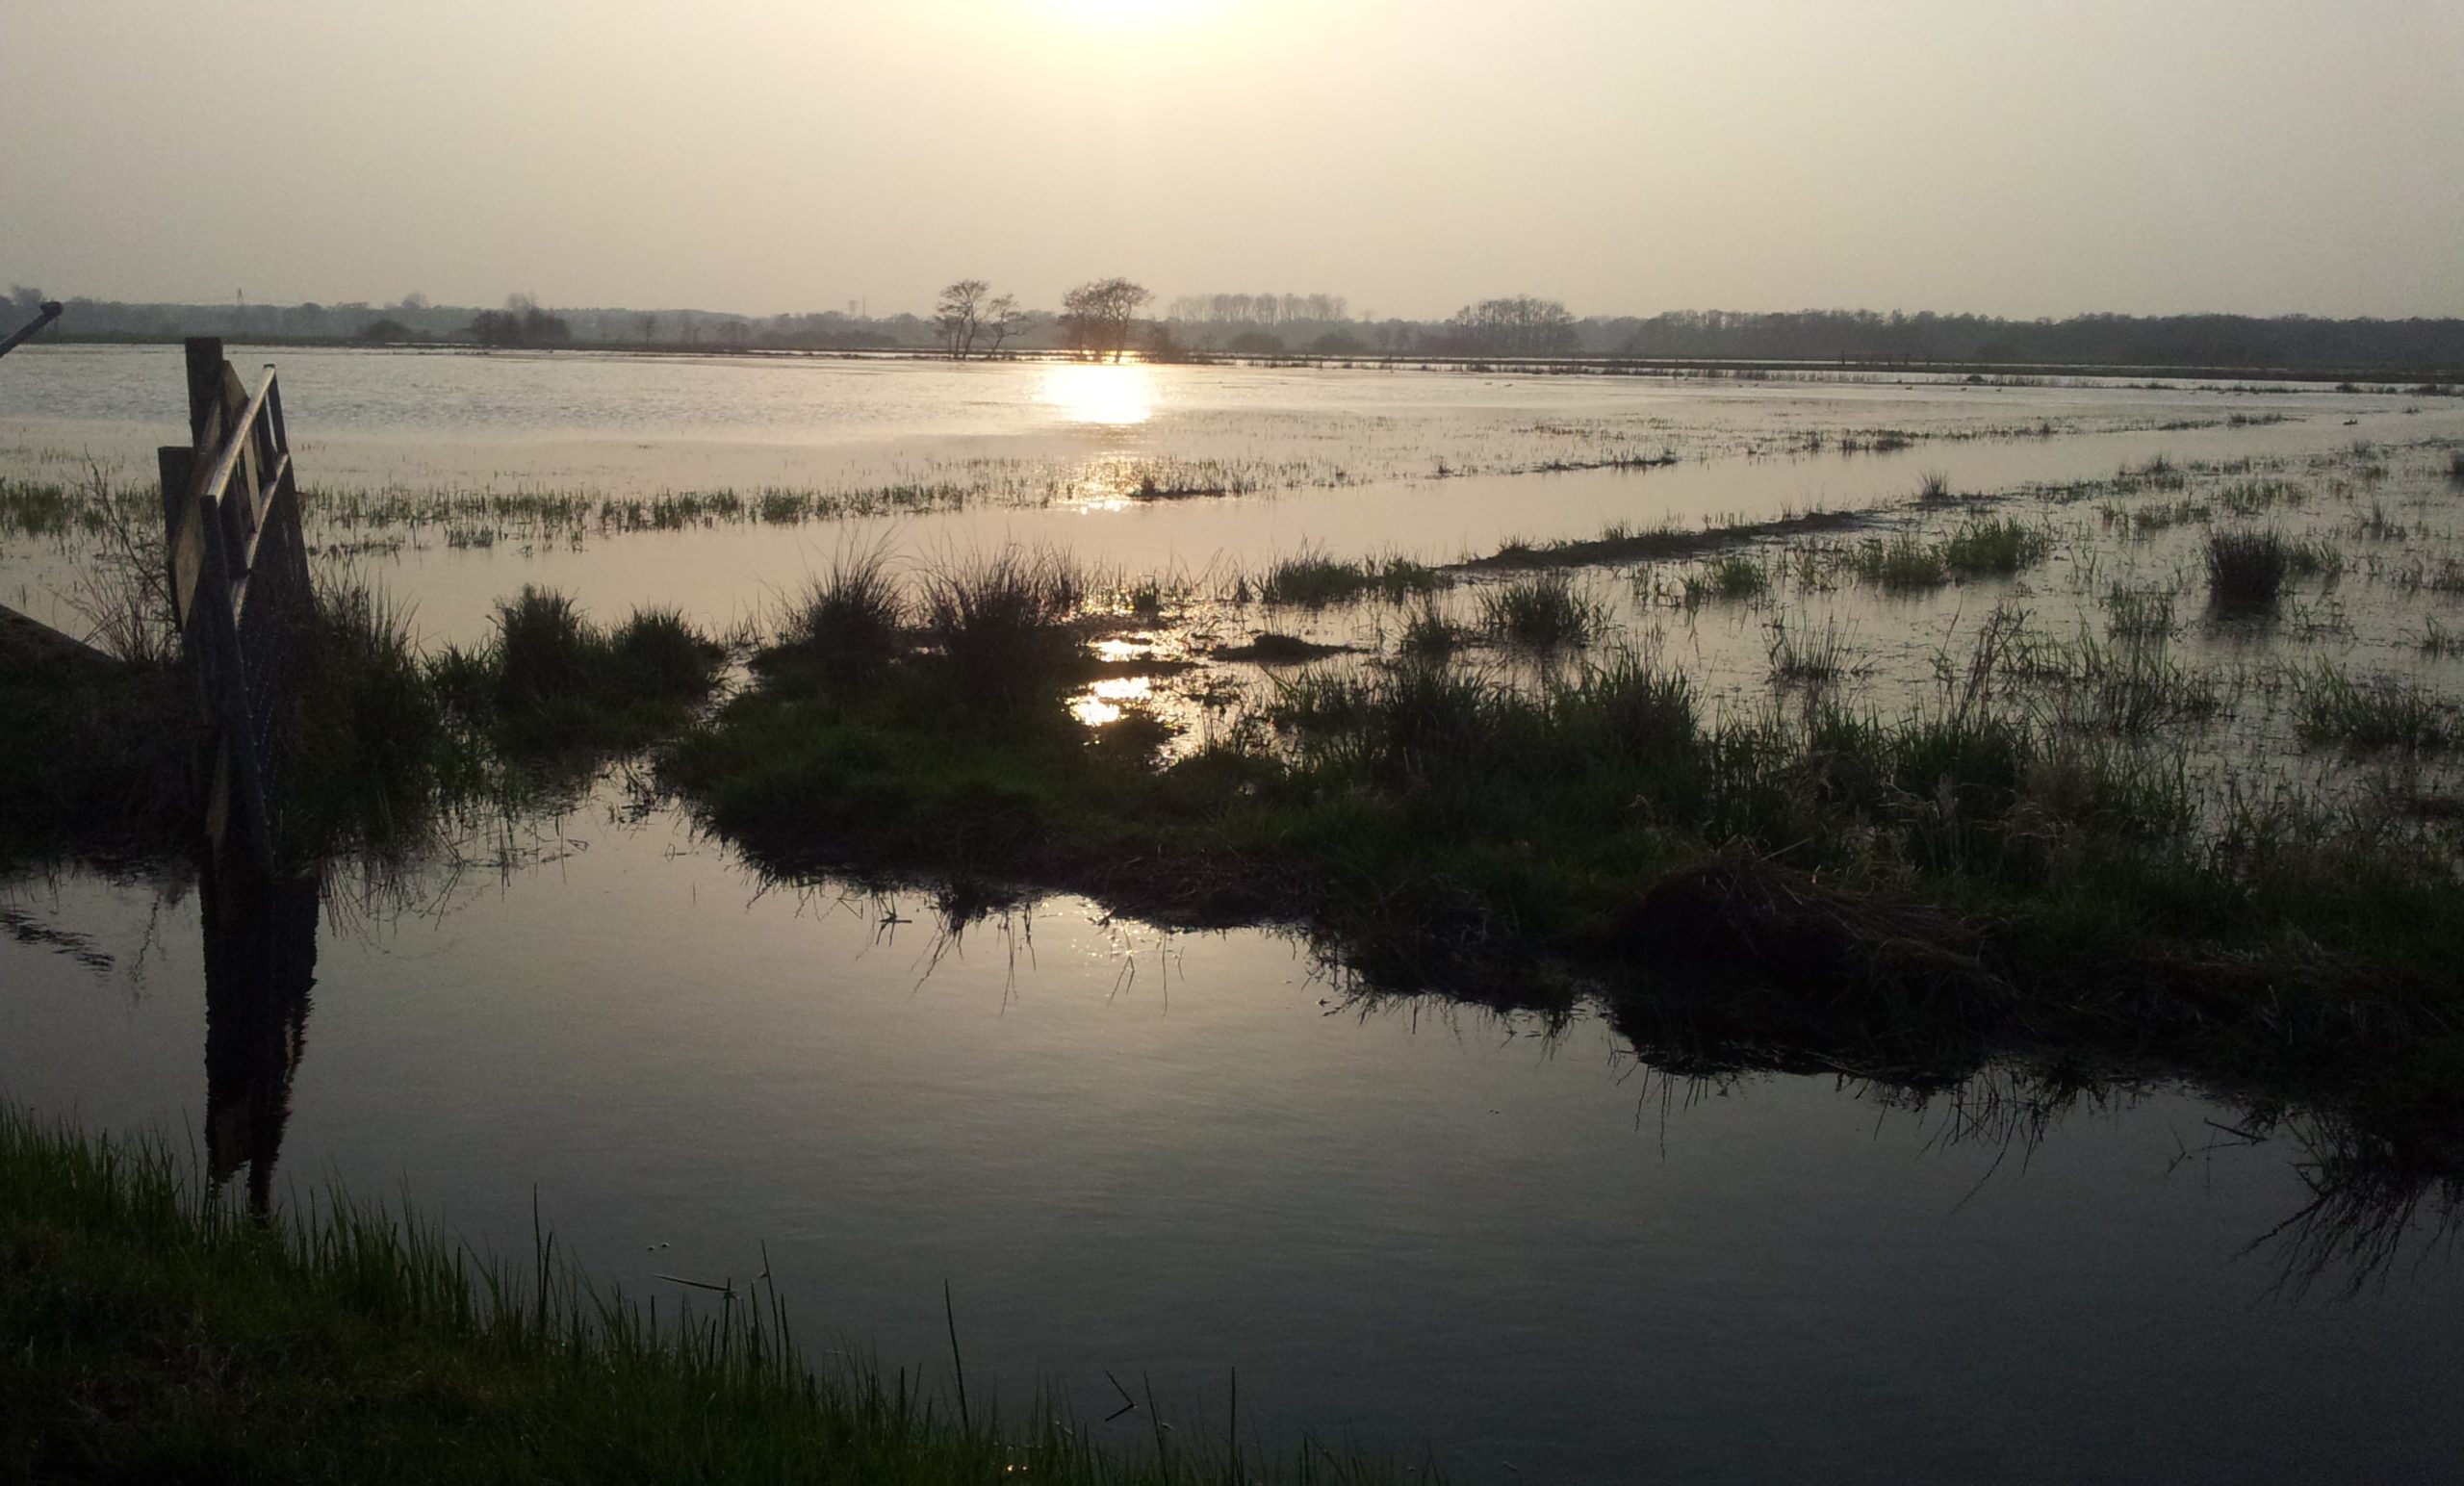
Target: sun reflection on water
1119, 395
1102, 702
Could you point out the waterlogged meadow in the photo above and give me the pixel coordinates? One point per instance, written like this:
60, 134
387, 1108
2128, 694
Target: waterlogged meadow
1401, 893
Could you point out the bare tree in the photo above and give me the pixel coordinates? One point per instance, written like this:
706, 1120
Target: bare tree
1100, 314
959, 315
1002, 319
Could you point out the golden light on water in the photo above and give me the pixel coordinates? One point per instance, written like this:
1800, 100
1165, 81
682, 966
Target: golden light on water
1103, 702
1117, 396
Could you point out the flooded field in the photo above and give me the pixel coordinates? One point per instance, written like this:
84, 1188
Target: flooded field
1556, 1242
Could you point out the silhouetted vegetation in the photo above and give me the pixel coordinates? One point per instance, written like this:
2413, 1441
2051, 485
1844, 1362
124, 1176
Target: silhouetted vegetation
554, 683
154, 1334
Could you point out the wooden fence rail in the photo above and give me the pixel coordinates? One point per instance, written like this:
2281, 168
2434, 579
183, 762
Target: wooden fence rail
240, 591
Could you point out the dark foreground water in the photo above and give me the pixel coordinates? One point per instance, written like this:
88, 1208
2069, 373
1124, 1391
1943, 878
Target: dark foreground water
1529, 1255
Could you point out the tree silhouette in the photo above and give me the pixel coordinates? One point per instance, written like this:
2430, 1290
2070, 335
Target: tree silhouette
1100, 314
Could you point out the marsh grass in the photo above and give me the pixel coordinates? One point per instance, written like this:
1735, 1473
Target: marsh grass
1905, 563
374, 756
1806, 656
554, 683
122, 590
1428, 634
1731, 576
2137, 613
852, 619
1542, 613
155, 1332
1998, 546
2246, 569
1001, 620
2330, 708
1314, 580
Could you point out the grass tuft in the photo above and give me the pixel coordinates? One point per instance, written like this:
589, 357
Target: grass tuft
1002, 621
1902, 564
2245, 568
2329, 707
1543, 613
851, 619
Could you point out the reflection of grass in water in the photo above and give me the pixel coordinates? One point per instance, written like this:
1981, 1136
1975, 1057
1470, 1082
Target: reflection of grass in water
1438, 822
339, 1334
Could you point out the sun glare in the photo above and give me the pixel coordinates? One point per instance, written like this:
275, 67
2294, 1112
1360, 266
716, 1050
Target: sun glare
1117, 16
1116, 395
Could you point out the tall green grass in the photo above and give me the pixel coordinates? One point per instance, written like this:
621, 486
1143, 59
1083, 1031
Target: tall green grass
153, 1333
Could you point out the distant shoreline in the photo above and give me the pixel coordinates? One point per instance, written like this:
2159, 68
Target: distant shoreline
2432, 381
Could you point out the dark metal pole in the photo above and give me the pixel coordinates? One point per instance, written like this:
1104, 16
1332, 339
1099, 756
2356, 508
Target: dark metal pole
50, 313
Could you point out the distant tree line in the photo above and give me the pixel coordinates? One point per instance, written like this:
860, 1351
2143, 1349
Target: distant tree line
1257, 309
2284, 341
1103, 318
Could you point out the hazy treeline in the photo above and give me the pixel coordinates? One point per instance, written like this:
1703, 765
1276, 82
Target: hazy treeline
1320, 325
2116, 339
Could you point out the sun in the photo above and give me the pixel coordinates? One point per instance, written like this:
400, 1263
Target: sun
1114, 17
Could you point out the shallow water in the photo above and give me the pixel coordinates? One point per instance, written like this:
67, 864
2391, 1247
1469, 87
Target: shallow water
1522, 1248
1346, 461
1174, 1156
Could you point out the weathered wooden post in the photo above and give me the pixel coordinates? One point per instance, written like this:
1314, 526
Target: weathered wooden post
240, 591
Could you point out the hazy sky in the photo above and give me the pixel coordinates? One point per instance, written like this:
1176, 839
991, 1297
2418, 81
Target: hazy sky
2004, 156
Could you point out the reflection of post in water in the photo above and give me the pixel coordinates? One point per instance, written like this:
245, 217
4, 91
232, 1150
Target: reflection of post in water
260, 962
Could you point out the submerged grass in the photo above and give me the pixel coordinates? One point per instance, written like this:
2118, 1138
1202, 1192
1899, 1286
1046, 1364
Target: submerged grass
153, 1333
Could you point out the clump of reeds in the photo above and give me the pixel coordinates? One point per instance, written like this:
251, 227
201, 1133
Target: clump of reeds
555, 682
1998, 546
1807, 658
1313, 580
1729, 575
374, 751
2380, 712
1933, 488
2245, 568
1002, 621
123, 591
1903, 564
850, 618
1429, 633
1543, 612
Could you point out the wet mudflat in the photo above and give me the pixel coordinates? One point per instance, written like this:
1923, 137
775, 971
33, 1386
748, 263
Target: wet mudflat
1542, 1245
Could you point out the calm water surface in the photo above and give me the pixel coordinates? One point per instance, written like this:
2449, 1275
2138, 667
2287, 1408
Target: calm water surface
1175, 1155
